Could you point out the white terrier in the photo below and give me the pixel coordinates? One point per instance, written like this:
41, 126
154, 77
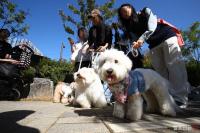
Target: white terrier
63, 93
88, 89
128, 87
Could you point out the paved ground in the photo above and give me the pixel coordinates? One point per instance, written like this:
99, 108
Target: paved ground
47, 117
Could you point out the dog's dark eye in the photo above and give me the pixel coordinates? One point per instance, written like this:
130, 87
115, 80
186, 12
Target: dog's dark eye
116, 61
69, 96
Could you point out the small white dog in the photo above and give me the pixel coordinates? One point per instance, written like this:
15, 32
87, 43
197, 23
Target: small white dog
88, 89
63, 93
128, 87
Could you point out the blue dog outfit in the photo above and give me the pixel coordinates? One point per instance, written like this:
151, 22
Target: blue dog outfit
134, 83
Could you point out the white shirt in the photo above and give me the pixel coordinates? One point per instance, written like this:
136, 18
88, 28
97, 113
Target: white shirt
76, 55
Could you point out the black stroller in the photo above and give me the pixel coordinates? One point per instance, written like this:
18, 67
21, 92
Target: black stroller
10, 80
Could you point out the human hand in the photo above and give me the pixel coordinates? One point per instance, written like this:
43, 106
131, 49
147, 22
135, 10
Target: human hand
138, 44
15, 62
71, 42
85, 49
101, 49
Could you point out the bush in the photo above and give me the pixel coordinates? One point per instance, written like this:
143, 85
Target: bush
193, 70
52, 69
28, 75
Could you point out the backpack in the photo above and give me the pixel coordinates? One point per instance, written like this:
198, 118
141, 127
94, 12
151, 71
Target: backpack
176, 30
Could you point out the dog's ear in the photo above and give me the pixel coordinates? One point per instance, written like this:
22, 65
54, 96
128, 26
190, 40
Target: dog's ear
93, 71
75, 75
99, 61
126, 61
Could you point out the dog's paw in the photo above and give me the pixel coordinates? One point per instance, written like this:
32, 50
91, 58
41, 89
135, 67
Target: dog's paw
134, 114
119, 114
64, 100
56, 101
119, 110
168, 110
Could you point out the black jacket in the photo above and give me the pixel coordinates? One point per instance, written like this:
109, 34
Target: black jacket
5, 48
100, 35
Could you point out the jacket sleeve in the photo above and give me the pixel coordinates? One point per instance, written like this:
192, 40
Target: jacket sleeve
151, 24
90, 37
108, 36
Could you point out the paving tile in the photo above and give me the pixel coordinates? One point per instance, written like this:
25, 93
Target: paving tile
132, 127
79, 128
41, 124
80, 119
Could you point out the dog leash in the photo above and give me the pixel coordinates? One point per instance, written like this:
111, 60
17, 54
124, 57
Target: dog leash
133, 51
79, 67
95, 55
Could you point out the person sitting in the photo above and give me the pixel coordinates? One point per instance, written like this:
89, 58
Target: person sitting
6, 60
8, 66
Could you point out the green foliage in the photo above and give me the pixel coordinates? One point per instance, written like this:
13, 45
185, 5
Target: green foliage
193, 70
147, 62
85, 7
52, 69
191, 50
12, 18
28, 74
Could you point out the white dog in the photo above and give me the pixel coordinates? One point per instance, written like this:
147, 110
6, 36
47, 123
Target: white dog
88, 89
63, 93
128, 87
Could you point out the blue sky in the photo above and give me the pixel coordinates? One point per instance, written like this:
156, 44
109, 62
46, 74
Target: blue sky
47, 33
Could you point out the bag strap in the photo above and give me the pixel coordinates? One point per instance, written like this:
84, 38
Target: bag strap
176, 30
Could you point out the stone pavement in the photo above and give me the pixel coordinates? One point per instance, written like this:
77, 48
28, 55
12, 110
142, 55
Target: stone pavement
47, 117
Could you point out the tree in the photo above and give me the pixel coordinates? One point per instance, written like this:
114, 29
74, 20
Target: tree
12, 18
85, 7
191, 50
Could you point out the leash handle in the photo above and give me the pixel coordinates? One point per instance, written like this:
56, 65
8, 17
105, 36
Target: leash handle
79, 67
134, 52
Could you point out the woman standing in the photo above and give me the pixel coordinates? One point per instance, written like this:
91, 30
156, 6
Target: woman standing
165, 52
77, 57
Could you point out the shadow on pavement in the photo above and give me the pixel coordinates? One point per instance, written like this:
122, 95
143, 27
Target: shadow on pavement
8, 122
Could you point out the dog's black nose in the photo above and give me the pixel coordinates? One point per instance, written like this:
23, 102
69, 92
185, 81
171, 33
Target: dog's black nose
109, 71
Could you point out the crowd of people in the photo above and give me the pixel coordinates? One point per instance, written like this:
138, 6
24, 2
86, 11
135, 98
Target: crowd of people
137, 28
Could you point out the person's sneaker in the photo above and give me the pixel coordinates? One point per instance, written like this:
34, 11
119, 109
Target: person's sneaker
181, 105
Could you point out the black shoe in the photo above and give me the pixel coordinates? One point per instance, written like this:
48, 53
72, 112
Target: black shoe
181, 105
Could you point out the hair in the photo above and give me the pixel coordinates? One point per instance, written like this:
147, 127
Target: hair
81, 29
5, 31
133, 17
